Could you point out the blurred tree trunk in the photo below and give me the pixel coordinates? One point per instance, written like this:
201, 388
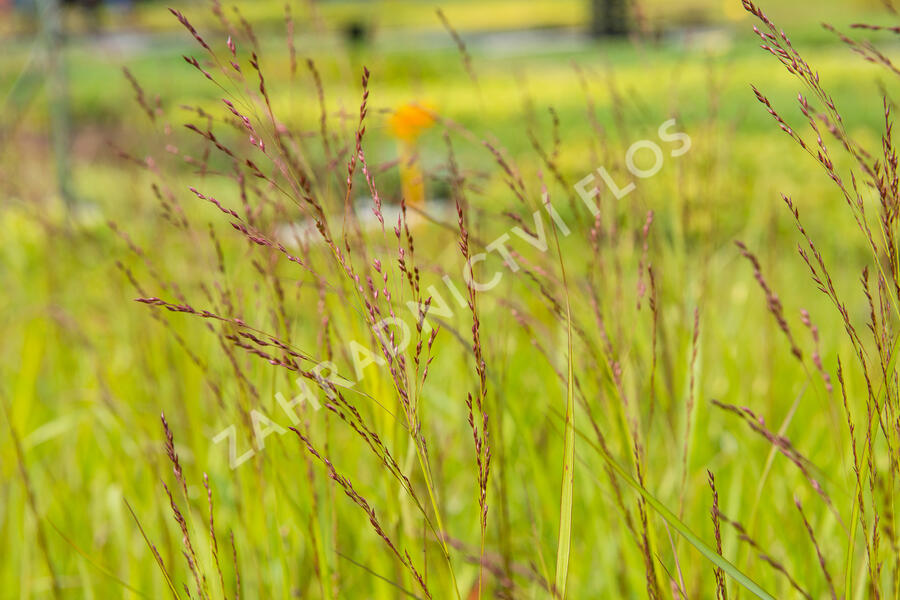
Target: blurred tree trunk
609, 17
52, 37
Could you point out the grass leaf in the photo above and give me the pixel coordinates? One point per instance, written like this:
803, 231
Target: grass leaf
162, 566
679, 526
567, 496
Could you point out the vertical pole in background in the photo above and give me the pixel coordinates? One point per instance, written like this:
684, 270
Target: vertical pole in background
609, 17
52, 39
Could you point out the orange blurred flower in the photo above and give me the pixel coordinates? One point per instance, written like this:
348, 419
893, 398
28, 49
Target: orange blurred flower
409, 121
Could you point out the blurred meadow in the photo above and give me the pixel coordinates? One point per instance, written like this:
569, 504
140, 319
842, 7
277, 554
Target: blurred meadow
623, 352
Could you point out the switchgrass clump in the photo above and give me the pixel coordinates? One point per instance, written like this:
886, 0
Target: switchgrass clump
866, 180
524, 415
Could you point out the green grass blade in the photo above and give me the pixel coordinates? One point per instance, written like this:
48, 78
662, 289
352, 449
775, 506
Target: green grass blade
567, 496
707, 551
564, 544
162, 567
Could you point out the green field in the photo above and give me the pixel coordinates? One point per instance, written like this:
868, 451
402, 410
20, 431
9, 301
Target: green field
653, 338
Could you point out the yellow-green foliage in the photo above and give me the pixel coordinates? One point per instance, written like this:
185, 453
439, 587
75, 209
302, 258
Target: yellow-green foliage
85, 371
